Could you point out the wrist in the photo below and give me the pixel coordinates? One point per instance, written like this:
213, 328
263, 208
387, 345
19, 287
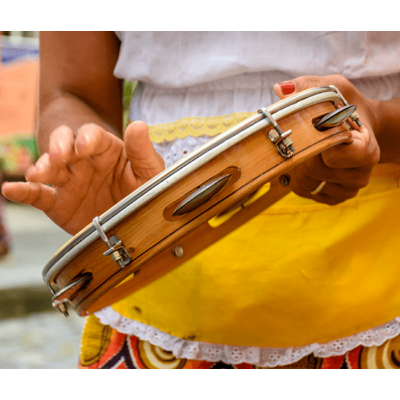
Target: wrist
386, 123
376, 110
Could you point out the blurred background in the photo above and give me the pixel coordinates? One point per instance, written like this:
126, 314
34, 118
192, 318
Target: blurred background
32, 333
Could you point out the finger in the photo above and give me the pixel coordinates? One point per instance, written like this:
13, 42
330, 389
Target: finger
145, 161
92, 140
353, 125
316, 169
48, 169
336, 191
339, 192
62, 143
322, 198
331, 193
357, 154
305, 184
296, 85
35, 194
284, 89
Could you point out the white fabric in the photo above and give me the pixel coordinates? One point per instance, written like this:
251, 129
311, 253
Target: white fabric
202, 74
183, 59
262, 357
241, 93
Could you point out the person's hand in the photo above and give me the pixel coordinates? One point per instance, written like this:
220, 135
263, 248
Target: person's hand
347, 167
88, 173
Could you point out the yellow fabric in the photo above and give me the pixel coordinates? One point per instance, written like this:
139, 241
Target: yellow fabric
95, 340
299, 273
195, 126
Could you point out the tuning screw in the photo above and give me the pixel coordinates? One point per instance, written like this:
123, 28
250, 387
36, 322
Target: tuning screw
284, 180
355, 117
62, 308
177, 251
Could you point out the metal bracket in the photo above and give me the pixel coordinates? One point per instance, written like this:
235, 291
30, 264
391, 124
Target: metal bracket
116, 249
61, 298
282, 140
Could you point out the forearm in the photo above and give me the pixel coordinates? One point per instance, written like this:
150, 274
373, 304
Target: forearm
70, 110
77, 84
387, 129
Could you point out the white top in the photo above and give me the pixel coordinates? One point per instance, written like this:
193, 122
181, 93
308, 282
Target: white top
182, 59
204, 74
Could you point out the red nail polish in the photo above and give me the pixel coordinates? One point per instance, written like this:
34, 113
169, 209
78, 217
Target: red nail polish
287, 87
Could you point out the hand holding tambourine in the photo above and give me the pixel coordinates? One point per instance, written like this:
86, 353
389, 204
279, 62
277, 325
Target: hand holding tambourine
338, 173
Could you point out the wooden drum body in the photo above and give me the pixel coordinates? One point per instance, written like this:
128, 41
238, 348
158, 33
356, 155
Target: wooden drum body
194, 203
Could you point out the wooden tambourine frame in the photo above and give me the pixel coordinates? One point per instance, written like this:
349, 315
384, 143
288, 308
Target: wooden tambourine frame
157, 227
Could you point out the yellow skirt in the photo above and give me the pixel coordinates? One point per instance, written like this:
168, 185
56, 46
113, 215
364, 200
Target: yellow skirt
299, 273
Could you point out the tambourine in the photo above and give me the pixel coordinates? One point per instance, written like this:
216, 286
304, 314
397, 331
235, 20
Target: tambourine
196, 201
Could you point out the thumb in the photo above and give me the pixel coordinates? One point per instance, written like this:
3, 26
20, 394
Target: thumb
287, 88
145, 161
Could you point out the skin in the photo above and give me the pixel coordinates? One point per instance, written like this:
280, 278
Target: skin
84, 159
346, 168
90, 168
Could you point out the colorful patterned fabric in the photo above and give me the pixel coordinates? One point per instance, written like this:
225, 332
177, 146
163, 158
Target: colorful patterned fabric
105, 348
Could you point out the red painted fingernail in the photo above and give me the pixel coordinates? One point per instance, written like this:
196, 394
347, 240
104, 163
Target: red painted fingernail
287, 87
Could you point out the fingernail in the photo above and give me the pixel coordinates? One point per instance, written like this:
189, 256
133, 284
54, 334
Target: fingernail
55, 149
287, 87
82, 141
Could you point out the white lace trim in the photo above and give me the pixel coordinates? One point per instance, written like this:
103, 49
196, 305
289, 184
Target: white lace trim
260, 356
174, 150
